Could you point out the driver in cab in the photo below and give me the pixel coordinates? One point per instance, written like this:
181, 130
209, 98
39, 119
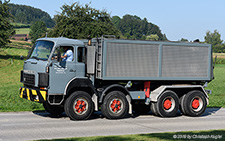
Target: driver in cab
68, 54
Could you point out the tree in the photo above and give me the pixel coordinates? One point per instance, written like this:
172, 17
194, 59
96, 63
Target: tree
133, 27
116, 20
153, 37
183, 40
38, 29
6, 29
79, 22
27, 14
164, 37
215, 40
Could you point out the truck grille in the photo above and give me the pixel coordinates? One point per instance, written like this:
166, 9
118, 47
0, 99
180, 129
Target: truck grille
29, 79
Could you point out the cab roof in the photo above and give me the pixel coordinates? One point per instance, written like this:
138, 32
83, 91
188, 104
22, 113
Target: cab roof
63, 41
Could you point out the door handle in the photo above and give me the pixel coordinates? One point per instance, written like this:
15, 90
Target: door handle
72, 70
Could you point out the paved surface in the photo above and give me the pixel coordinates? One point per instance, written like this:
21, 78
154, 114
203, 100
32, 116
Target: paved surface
39, 125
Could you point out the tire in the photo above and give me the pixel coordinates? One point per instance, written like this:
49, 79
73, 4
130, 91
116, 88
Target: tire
194, 103
115, 105
53, 109
141, 108
153, 108
181, 107
79, 106
167, 104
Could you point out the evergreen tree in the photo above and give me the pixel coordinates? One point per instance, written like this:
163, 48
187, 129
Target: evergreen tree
133, 27
38, 30
6, 29
27, 15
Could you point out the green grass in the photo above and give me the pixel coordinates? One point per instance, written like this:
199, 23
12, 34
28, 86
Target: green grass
11, 65
19, 24
20, 44
218, 54
220, 60
191, 135
22, 30
217, 98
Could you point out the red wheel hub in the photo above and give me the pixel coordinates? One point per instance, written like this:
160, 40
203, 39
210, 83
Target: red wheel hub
167, 104
116, 105
80, 106
195, 103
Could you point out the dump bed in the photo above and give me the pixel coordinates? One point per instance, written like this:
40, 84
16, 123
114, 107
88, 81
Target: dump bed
150, 60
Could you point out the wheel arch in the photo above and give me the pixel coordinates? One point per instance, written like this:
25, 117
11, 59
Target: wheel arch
112, 88
83, 84
179, 90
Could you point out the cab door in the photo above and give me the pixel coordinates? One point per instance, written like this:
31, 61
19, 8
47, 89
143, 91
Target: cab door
61, 72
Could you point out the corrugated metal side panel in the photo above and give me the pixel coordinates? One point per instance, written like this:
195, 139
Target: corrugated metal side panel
184, 61
131, 60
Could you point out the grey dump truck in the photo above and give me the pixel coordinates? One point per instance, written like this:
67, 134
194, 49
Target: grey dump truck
118, 77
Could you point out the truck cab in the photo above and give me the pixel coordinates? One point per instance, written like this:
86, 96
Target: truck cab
45, 75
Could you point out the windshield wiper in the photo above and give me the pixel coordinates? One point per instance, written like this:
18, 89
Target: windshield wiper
35, 57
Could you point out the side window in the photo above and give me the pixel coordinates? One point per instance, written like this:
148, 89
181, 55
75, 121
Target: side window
81, 54
64, 50
55, 54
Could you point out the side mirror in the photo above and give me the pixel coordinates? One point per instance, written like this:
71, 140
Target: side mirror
58, 56
21, 57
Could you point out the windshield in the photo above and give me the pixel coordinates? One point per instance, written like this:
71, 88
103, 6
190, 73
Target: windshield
41, 50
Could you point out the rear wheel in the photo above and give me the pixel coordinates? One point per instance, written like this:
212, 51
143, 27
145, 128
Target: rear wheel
53, 109
181, 101
115, 105
167, 104
153, 108
79, 106
194, 103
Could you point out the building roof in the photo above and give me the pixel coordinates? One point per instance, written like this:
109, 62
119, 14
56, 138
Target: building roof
20, 35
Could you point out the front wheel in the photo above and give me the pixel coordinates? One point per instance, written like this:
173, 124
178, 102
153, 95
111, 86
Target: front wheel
79, 106
194, 103
115, 105
53, 109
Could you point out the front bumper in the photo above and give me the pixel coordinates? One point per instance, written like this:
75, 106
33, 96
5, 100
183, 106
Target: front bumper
33, 94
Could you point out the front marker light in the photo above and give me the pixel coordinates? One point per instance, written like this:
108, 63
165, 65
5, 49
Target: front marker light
47, 69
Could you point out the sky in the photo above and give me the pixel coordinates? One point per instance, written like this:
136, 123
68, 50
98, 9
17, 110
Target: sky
189, 19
